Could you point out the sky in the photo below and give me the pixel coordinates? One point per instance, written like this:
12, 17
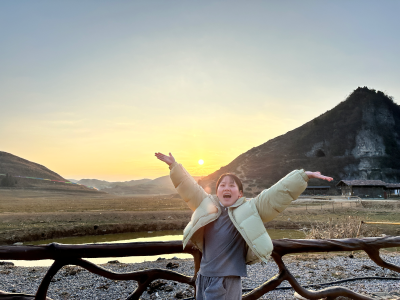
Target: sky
92, 89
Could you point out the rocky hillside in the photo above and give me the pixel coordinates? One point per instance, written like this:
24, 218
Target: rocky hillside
17, 166
357, 139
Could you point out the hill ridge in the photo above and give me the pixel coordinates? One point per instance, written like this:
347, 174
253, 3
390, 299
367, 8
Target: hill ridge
357, 139
21, 168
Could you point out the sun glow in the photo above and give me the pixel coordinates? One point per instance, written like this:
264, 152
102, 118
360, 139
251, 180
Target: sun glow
201, 162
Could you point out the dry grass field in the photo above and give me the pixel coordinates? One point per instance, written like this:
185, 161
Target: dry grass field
341, 216
27, 215
37, 201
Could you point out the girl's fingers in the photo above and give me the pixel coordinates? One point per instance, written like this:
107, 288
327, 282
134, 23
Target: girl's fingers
160, 155
318, 175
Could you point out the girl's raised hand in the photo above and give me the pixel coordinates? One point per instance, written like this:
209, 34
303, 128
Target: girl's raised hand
318, 175
169, 160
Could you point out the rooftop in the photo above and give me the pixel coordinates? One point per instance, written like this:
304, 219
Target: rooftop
363, 182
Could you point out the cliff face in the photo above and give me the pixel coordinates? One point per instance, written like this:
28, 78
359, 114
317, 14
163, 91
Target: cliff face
357, 139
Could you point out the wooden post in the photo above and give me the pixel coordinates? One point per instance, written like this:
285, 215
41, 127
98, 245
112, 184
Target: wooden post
359, 228
333, 206
358, 233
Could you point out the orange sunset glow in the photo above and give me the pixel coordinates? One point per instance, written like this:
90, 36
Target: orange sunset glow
94, 89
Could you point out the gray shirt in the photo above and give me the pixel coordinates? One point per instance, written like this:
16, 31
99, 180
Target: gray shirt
224, 249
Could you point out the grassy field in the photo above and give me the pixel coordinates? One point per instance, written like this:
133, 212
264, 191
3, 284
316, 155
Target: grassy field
316, 213
27, 215
35, 201
367, 210
32, 215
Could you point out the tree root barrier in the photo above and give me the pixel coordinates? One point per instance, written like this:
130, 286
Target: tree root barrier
72, 255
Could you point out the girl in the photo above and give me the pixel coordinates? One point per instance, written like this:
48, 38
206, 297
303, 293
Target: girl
228, 228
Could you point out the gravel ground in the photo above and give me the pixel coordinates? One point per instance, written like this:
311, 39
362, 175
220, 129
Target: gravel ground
76, 283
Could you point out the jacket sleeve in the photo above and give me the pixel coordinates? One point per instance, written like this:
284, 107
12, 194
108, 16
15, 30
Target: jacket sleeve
274, 200
186, 186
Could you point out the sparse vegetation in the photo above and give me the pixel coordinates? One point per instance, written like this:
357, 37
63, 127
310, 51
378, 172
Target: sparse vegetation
345, 227
8, 181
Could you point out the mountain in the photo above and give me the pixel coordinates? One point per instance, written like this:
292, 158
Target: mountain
17, 166
161, 185
357, 139
41, 178
72, 180
102, 184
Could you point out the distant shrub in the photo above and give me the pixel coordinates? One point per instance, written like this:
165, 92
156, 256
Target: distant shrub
347, 227
8, 181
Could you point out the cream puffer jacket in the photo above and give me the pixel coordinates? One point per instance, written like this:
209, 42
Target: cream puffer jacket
248, 215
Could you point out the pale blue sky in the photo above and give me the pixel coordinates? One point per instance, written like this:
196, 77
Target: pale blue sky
91, 89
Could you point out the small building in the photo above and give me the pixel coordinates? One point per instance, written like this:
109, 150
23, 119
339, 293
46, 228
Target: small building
393, 189
317, 190
363, 188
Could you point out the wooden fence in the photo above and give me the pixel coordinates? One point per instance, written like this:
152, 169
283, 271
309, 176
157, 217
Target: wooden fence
73, 254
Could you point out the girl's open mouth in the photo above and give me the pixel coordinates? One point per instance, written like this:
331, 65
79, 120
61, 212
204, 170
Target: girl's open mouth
227, 196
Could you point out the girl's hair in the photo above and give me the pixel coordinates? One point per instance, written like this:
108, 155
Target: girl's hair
234, 177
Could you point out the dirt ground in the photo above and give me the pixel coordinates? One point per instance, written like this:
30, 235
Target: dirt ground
29, 215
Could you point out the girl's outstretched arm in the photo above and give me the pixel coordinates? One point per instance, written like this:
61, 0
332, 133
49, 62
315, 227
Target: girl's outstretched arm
185, 185
272, 201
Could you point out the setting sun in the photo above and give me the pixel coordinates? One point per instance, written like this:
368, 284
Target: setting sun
201, 162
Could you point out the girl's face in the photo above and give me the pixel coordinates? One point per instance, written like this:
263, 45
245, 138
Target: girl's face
228, 191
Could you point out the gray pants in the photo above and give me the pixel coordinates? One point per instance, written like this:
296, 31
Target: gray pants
218, 288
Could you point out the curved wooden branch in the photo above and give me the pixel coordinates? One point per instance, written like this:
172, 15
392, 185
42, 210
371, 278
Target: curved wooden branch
17, 296
140, 276
144, 277
72, 254
44, 285
285, 246
288, 246
57, 251
266, 287
374, 256
331, 292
